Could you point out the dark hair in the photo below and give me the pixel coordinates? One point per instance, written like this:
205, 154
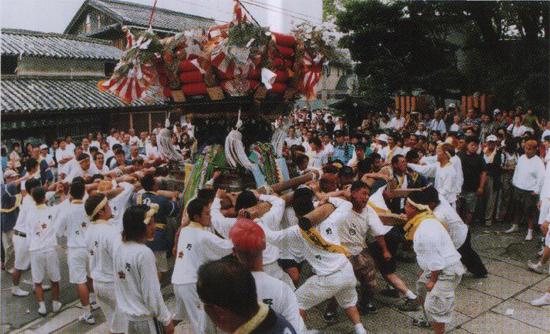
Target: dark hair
97, 177
245, 200
301, 158
330, 169
117, 147
432, 196
375, 156
206, 194
30, 164
38, 194
303, 193
132, 221
119, 151
359, 185
195, 207
302, 205
395, 158
471, 139
412, 155
316, 141
345, 171
148, 182
30, 184
82, 157
94, 149
77, 189
92, 202
228, 284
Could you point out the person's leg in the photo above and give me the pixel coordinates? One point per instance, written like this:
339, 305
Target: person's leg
517, 213
22, 262
491, 196
38, 292
471, 259
55, 291
9, 254
531, 215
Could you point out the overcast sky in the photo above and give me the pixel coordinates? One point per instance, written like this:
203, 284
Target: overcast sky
54, 15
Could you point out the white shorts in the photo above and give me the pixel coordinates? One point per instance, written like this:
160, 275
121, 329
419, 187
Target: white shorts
189, 306
340, 285
544, 210
45, 263
105, 296
22, 254
275, 271
162, 261
79, 269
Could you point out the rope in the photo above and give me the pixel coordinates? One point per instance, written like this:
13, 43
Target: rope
248, 12
153, 10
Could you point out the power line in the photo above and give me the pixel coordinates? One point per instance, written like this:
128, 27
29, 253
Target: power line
283, 12
282, 9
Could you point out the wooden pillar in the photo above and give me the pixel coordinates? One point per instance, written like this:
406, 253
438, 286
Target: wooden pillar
149, 122
483, 103
402, 103
407, 104
470, 103
476, 101
397, 102
413, 103
463, 105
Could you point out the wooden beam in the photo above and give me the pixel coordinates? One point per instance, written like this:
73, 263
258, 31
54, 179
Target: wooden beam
149, 122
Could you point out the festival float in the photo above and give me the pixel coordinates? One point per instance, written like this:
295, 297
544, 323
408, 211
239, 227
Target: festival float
233, 79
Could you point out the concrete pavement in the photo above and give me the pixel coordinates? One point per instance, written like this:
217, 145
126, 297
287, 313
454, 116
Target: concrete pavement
496, 304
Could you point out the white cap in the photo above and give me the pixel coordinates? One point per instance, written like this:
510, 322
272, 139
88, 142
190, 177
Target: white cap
452, 105
10, 173
43, 147
491, 138
496, 111
383, 137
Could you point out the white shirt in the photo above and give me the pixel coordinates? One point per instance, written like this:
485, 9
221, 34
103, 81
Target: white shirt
457, 165
455, 127
317, 159
196, 246
445, 179
77, 171
151, 150
73, 223
137, 286
70, 147
388, 153
119, 204
42, 229
518, 131
529, 174
112, 141
102, 239
292, 141
436, 125
280, 297
63, 154
397, 123
323, 262
22, 224
433, 246
272, 219
446, 214
545, 192
544, 134
355, 230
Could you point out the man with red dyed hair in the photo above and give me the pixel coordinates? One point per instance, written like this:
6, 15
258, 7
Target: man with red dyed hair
248, 245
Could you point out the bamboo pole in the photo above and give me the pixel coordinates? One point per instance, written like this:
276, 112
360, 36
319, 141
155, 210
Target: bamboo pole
289, 184
413, 103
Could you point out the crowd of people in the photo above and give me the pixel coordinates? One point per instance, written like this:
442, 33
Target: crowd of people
399, 188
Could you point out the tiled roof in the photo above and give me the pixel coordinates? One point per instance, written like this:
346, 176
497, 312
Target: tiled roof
133, 14
39, 44
44, 95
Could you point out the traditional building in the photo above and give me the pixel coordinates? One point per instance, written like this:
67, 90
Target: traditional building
104, 19
49, 90
49, 81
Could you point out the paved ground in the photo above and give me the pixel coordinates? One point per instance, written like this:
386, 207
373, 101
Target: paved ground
497, 304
